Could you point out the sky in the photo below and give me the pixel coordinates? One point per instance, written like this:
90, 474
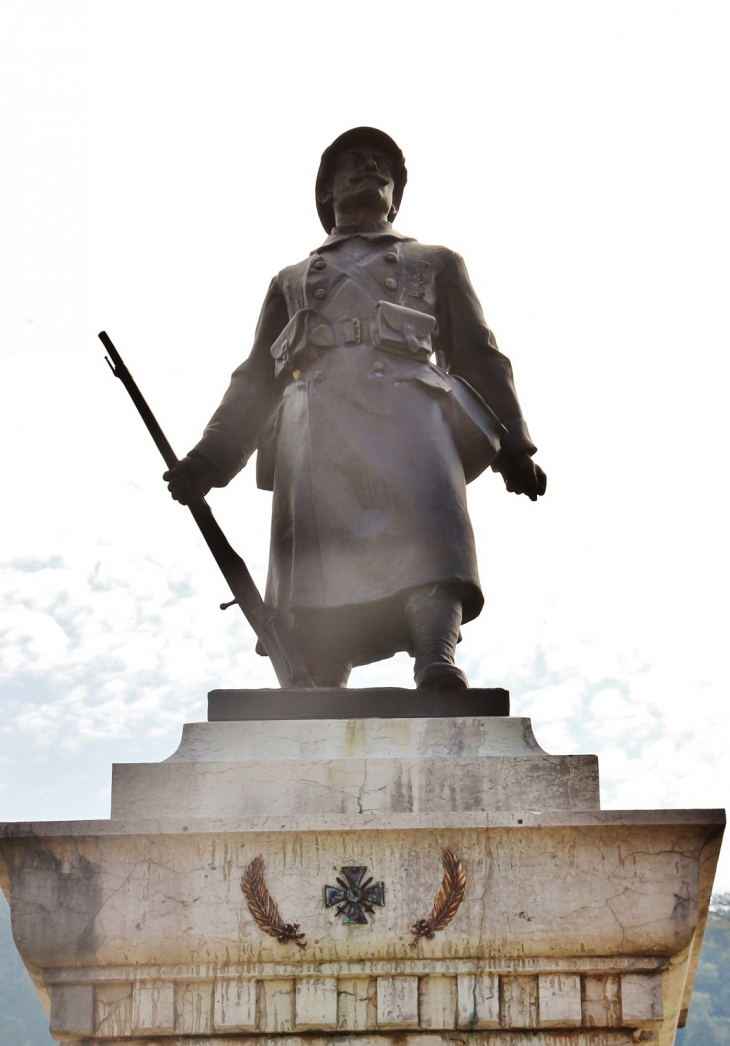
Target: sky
159, 165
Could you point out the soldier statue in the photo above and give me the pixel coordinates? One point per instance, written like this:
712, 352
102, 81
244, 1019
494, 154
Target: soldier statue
373, 394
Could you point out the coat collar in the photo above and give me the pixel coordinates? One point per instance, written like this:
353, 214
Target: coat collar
367, 230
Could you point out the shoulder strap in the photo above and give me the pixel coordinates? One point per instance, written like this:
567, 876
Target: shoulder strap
352, 270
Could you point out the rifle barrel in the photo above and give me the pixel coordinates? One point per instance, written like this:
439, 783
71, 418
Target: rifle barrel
286, 658
119, 369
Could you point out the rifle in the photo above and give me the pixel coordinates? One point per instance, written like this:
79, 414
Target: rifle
274, 634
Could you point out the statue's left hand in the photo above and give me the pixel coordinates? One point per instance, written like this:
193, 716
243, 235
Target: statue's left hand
522, 476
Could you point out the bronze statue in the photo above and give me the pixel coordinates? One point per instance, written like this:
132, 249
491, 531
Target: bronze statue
373, 394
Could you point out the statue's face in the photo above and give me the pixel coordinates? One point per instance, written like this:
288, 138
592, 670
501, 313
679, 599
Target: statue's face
362, 181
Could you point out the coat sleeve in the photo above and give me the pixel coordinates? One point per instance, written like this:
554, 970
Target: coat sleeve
470, 350
232, 434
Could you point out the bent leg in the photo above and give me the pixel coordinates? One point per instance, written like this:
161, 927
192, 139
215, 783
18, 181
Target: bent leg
325, 651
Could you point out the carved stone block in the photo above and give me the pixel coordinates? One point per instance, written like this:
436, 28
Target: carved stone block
72, 1010
333, 766
113, 1010
194, 1008
153, 1008
437, 1002
397, 1002
316, 1003
276, 1006
641, 999
559, 1001
601, 1001
519, 1002
478, 1000
356, 1003
234, 1005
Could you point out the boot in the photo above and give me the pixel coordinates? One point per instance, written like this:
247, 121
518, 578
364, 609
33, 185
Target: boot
434, 618
325, 672
324, 650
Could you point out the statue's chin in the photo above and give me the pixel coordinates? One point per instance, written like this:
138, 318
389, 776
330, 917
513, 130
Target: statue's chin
367, 197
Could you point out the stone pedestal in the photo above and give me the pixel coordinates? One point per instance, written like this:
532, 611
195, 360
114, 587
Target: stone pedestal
576, 927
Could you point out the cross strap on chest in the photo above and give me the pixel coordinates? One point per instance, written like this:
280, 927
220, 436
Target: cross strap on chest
393, 328
351, 269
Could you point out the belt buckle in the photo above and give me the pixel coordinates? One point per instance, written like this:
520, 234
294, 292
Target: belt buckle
357, 330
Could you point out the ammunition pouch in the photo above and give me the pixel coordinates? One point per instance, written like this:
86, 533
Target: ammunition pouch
407, 332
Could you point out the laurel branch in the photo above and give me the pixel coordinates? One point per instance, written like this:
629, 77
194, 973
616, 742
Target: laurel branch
447, 900
263, 907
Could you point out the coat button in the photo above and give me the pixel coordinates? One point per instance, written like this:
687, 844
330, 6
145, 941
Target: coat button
391, 256
391, 284
378, 366
320, 293
320, 264
318, 375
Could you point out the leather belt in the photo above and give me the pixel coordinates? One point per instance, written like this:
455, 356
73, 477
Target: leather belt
328, 335
349, 332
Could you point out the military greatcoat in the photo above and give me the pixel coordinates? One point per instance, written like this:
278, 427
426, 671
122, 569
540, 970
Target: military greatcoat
374, 392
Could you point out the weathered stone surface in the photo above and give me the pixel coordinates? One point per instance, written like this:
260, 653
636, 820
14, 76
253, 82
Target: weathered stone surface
609, 890
276, 1006
478, 1000
72, 1011
641, 999
153, 1007
559, 1000
355, 786
437, 1002
194, 1008
142, 920
420, 999
356, 1003
503, 1038
113, 1009
235, 1005
519, 1001
319, 739
602, 1001
397, 1002
316, 1003
355, 766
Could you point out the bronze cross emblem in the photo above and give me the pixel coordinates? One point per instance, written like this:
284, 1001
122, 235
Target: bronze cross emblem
353, 896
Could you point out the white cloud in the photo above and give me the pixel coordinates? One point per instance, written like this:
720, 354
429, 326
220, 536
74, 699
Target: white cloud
156, 180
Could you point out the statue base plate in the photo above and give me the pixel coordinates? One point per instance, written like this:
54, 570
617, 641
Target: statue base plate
387, 702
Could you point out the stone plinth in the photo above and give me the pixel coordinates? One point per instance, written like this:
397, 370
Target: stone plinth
355, 766
577, 926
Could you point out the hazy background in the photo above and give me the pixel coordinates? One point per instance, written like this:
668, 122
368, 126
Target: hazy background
159, 163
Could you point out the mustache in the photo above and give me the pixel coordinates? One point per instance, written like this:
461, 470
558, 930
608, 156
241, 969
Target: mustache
356, 179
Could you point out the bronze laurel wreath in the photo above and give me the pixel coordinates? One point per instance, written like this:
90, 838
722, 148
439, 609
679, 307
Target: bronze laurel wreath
447, 900
263, 907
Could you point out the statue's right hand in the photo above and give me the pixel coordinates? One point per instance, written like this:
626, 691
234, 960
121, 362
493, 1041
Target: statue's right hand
190, 476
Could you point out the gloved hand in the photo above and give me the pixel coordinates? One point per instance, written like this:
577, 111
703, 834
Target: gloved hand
522, 476
192, 475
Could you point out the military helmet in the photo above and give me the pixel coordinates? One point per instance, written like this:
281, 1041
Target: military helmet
357, 134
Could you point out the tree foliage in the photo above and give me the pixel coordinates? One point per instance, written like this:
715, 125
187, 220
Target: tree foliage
709, 1011
22, 1020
